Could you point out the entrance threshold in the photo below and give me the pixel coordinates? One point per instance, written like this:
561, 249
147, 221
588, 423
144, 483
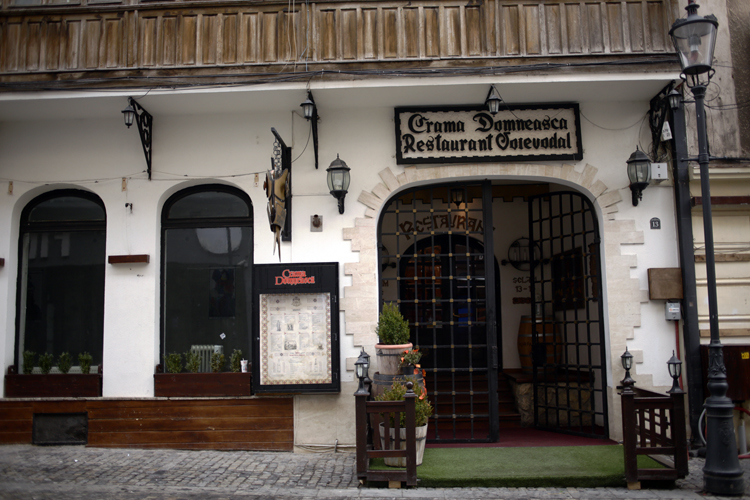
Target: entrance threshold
517, 437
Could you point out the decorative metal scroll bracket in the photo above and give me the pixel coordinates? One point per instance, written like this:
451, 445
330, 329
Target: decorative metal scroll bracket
144, 121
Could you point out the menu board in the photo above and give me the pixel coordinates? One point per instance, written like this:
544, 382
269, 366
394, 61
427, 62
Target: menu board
296, 325
295, 338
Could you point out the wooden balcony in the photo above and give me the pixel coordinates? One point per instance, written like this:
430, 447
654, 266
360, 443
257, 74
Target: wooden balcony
124, 43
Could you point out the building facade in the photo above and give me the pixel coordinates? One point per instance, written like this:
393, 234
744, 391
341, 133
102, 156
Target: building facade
132, 257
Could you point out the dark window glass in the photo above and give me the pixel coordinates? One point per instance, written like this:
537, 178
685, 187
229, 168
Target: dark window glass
208, 205
62, 279
207, 275
66, 209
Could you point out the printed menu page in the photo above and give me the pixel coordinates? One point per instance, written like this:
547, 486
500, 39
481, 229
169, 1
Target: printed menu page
295, 338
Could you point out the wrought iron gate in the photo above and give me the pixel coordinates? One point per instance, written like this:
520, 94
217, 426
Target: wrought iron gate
568, 350
435, 244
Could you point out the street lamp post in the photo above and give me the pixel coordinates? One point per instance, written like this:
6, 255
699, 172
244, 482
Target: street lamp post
694, 39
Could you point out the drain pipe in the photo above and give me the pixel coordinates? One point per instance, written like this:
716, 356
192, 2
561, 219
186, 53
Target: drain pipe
690, 332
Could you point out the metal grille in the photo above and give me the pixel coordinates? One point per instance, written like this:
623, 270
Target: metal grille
433, 265
568, 350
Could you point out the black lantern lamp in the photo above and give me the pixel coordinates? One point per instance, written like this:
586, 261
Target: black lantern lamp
675, 99
694, 40
308, 106
338, 180
310, 112
143, 119
493, 100
129, 115
675, 370
361, 366
639, 173
627, 364
457, 197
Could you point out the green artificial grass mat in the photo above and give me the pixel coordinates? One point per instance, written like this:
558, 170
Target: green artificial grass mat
561, 466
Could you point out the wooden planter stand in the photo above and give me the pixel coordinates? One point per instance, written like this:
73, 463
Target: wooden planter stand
202, 384
68, 385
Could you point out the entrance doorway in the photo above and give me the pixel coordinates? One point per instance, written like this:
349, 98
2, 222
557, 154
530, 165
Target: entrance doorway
435, 244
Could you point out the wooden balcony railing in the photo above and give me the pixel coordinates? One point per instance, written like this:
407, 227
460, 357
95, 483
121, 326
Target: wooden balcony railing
370, 415
239, 38
654, 424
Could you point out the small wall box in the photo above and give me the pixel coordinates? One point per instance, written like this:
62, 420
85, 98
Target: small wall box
672, 311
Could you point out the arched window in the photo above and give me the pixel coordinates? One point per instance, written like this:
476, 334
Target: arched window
207, 258
61, 276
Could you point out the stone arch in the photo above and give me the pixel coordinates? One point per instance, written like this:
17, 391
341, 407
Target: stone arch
360, 302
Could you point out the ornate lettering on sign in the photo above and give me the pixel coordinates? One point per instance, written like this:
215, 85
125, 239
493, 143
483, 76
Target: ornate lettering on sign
470, 134
294, 278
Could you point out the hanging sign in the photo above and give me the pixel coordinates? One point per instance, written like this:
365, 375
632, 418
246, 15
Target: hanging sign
469, 134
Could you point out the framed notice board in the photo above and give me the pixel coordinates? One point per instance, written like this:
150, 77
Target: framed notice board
296, 348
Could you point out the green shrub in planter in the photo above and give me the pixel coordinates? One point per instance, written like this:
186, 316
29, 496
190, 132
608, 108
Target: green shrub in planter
392, 328
174, 362
28, 362
45, 362
64, 362
192, 362
217, 362
234, 361
84, 361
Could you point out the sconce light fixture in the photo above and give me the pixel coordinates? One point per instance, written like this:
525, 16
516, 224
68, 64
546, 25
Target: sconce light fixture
310, 111
338, 180
144, 121
675, 370
493, 100
639, 173
627, 363
675, 99
457, 197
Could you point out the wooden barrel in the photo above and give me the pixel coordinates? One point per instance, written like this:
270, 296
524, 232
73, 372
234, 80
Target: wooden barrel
380, 381
546, 336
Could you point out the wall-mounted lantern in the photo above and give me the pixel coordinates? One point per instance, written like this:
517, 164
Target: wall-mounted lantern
493, 100
338, 180
310, 112
639, 173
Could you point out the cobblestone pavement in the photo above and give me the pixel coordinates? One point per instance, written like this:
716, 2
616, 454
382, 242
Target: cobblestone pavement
75, 472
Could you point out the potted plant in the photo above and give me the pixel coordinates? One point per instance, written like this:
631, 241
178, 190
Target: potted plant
410, 361
393, 333
422, 411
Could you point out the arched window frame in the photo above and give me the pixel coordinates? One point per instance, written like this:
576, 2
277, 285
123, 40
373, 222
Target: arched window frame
28, 227
168, 223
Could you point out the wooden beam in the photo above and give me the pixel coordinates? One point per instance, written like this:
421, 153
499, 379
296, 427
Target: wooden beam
129, 259
723, 200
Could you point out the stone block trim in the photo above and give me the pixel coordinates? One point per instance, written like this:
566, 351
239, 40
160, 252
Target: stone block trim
360, 303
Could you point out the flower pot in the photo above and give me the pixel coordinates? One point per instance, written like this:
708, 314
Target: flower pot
222, 384
389, 357
68, 385
421, 435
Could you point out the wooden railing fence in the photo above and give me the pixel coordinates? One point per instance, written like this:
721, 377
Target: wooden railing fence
374, 417
654, 424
